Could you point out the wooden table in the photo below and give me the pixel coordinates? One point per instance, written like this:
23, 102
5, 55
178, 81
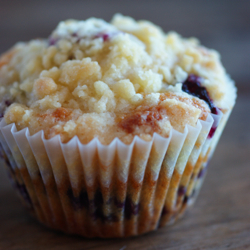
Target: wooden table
220, 219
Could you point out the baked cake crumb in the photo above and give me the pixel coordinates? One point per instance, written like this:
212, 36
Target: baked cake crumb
120, 79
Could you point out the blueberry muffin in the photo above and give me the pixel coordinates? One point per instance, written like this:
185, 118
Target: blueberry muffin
106, 128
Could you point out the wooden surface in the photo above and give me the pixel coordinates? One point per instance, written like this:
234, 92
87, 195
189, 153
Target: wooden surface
220, 219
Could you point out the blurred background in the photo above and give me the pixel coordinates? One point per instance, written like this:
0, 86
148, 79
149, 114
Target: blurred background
223, 25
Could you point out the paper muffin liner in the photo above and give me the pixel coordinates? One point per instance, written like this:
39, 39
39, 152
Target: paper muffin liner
114, 190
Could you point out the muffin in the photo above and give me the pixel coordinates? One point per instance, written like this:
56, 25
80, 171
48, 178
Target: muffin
107, 128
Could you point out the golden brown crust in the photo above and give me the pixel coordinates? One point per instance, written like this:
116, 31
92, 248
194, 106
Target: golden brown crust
197, 103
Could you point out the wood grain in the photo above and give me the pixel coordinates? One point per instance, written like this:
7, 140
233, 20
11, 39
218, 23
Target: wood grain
220, 219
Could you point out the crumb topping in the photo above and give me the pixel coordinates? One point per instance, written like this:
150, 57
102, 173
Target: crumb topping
120, 79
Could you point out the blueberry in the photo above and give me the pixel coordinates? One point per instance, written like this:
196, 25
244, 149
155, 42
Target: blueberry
212, 131
7, 103
80, 201
193, 87
119, 204
96, 205
164, 211
182, 190
202, 173
130, 208
97, 208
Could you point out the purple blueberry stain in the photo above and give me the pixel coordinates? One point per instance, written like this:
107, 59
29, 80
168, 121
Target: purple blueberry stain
8, 103
80, 201
4, 104
77, 37
119, 204
24, 193
201, 173
130, 208
96, 208
182, 190
212, 131
105, 36
215, 111
52, 41
164, 211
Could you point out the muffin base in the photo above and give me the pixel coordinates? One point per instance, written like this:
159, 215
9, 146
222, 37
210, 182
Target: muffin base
109, 191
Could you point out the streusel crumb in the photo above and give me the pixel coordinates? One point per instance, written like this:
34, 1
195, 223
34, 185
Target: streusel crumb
120, 79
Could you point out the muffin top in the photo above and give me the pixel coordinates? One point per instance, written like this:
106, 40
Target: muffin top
120, 79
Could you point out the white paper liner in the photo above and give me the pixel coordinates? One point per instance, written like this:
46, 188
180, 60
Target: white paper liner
192, 181
67, 169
